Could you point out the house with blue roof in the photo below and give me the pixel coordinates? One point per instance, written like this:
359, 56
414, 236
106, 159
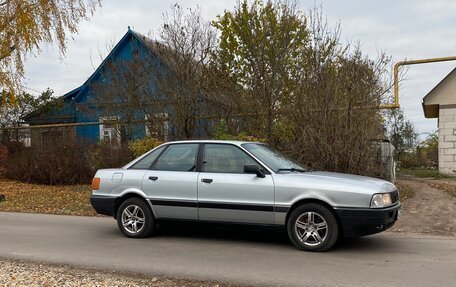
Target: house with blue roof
94, 113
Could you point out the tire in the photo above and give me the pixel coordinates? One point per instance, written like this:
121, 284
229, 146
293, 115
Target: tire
135, 218
312, 227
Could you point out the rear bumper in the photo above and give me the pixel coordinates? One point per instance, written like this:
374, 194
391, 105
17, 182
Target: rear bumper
103, 204
358, 222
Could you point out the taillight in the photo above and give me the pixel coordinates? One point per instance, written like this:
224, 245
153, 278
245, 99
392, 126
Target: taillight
96, 183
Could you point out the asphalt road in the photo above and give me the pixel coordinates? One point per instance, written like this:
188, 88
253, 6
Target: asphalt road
258, 257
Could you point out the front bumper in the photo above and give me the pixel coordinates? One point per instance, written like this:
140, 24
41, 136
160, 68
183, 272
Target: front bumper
103, 204
358, 222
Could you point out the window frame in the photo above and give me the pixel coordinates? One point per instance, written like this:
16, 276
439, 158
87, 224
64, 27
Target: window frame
114, 132
201, 155
168, 146
145, 155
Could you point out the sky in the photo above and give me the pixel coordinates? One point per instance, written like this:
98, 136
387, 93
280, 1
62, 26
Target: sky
403, 29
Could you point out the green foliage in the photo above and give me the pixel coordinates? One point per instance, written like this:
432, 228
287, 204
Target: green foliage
421, 173
431, 142
220, 132
261, 47
304, 90
424, 156
11, 114
141, 146
402, 133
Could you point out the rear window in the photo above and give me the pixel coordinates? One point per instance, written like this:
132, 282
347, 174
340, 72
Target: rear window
147, 161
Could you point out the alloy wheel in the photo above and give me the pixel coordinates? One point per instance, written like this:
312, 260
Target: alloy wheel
311, 228
133, 219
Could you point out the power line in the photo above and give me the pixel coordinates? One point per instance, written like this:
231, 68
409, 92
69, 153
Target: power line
27, 88
56, 80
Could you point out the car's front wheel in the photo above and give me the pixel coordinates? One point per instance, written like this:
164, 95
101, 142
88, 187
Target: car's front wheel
312, 227
135, 219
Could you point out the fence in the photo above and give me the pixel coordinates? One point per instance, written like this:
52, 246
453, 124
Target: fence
59, 154
55, 154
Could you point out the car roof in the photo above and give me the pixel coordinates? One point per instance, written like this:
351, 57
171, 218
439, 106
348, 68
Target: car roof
235, 142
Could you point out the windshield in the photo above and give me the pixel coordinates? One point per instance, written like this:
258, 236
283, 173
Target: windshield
273, 158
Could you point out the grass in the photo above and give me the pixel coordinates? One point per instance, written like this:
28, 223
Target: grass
422, 173
405, 191
37, 198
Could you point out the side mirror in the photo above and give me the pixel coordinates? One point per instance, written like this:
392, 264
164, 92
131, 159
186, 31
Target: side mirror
255, 169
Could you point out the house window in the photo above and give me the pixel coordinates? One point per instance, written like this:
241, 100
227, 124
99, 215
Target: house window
109, 132
157, 126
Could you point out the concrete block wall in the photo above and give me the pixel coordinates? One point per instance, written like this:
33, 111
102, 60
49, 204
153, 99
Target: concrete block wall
447, 140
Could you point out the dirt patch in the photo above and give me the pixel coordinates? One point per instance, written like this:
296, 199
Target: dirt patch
448, 185
429, 211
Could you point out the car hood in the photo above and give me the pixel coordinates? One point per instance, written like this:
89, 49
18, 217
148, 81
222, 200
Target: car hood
340, 181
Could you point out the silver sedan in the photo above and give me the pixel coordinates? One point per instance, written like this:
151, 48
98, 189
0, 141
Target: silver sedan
246, 183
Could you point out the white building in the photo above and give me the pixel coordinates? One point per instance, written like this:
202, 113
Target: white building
440, 103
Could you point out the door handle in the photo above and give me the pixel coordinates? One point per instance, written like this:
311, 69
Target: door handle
153, 178
207, 180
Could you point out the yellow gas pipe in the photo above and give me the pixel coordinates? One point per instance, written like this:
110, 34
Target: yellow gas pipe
395, 105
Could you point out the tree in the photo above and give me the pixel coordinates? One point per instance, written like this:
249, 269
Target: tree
170, 85
13, 113
402, 133
261, 47
183, 74
26, 24
312, 96
332, 118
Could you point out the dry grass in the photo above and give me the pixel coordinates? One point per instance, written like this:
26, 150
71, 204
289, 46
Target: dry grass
421, 173
450, 188
37, 198
405, 191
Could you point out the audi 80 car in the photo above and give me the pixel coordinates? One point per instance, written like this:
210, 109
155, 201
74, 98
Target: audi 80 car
247, 183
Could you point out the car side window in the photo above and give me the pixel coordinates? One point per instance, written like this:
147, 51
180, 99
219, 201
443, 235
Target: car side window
178, 157
147, 161
223, 158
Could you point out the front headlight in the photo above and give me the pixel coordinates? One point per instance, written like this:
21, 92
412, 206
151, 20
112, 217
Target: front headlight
380, 200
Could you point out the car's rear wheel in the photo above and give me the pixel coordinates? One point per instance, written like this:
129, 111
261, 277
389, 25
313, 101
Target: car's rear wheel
135, 219
312, 227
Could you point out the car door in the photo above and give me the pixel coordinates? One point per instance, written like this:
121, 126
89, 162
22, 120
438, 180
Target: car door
171, 183
226, 193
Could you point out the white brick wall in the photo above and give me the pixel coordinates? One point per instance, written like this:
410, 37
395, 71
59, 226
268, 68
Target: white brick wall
447, 112
449, 138
444, 145
449, 118
449, 125
447, 141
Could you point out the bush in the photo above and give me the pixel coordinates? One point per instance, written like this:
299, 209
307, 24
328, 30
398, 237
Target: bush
107, 155
3, 159
71, 161
68, 162
141, 146
221, 132
54, 163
